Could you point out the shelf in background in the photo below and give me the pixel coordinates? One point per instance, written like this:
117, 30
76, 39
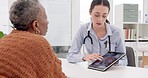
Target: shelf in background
130, 40
143, 23
135, 23
134, 40
143, 40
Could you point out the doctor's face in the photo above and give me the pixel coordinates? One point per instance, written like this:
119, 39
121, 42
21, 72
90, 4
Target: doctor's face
99, 15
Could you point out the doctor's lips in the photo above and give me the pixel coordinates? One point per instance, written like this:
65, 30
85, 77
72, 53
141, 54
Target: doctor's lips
98, 23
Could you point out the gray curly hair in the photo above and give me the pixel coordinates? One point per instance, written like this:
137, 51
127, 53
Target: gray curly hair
23, 12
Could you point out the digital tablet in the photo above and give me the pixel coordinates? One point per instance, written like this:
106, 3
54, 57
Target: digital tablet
108, 60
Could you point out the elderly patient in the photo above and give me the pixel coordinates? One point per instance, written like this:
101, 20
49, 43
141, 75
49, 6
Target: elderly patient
24, 53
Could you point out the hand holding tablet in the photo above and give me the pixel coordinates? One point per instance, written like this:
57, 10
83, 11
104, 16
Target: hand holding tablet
108, 60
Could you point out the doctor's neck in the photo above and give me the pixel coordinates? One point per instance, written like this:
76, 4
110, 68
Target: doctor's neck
101, 31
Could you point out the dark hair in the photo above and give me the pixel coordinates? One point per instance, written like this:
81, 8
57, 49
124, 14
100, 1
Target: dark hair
100, 2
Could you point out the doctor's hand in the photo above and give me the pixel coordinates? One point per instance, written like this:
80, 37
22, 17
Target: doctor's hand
95, 56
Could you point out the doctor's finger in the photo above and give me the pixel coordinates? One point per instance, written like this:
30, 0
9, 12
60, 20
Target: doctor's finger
92, 58
98, 56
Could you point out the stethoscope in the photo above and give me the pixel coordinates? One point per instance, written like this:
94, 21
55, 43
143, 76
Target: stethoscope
91, 41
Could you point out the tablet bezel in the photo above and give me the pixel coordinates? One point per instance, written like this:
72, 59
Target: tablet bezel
107, 67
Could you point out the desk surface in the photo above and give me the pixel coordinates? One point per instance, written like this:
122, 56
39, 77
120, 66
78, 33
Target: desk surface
80, 70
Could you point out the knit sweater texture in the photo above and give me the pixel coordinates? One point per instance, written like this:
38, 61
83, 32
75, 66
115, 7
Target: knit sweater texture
27, 55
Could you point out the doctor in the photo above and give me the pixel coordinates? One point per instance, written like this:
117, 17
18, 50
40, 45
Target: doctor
98, 36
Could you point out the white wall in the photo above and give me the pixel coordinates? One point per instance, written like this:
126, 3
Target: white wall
59, 17
84, 11
64, 20
75, 16
4, 16
145, 11
110, 17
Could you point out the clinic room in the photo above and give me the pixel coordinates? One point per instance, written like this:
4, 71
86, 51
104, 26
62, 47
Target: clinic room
73, 38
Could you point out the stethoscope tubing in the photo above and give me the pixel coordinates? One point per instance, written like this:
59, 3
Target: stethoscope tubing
88, 36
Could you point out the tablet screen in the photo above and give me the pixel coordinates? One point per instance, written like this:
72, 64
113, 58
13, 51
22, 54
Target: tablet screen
108, 60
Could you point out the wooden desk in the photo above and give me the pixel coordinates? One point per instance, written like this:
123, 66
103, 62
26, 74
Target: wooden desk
80, 70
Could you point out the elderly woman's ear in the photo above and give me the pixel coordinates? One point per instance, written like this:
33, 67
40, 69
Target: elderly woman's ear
35, 26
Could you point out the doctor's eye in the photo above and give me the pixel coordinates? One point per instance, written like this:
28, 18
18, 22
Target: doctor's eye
97, 15
104, 16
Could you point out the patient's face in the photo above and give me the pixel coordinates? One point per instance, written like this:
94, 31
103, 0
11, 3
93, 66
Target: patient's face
42, 21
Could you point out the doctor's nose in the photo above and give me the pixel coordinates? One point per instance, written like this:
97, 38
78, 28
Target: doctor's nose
99, 19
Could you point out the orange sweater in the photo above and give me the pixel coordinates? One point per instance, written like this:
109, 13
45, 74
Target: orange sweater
27, 55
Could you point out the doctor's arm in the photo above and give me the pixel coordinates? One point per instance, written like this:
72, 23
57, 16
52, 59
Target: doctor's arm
74, 55
120, 47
